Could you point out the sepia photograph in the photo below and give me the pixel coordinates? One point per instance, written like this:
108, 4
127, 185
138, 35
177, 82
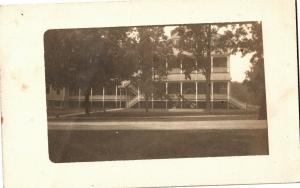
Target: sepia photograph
147, 93
155, 92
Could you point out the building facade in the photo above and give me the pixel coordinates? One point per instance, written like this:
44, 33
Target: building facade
176, 91
173, 91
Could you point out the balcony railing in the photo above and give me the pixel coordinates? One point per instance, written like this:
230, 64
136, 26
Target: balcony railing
220, 70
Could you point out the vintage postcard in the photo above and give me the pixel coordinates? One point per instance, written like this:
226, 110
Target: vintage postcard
187, 90
149, 94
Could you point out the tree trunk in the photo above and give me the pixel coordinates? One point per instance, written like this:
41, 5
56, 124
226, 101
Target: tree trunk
146, 103
208, 94
87, 105
263, 106
208, 71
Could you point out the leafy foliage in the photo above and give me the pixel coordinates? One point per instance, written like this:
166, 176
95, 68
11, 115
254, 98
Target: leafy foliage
86, 58
241, 92
202, 40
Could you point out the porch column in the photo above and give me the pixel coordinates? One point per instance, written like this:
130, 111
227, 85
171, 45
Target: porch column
167, 83
152, 99
103, 97
79, 96
196, 62
153, 76
181, 94
126, 97
166, 65
228, 94
196, 88
181, 72
91, 98
211, 64
116, 97
139, 97
166, 94
196, 93
228, 64
63, 97
120, 98
180, 66
212, 95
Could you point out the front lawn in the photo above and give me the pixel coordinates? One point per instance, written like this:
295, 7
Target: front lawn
79, 146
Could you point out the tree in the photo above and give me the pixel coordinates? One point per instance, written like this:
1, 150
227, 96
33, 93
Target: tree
202, 40
151, 50
247, 39
240, 91
86, 58
197, 40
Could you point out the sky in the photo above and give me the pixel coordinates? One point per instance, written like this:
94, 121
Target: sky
238, 65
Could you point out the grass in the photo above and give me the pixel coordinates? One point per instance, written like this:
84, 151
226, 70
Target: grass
166, 112
80, 146
160, 115
141, 112
154, 118
62, 111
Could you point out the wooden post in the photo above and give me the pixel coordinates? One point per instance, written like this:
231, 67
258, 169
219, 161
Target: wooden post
167, 83
228, 94
79, 97
152, 99
181, 67
166, 95
92, 99
212, 94
63, 97
139, 97
126, 100
103, 97
228, 64
120, 97
181, 72
196, 92
196, 81
166, 66
116, 97
181, 95
153, 75
211, 65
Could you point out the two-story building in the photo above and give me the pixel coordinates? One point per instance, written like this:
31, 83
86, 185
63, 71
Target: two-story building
178, 92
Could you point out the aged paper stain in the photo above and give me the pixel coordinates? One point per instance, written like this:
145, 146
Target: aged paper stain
24, 87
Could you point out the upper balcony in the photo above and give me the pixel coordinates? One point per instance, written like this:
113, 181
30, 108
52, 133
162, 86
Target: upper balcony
220, 63
220, 70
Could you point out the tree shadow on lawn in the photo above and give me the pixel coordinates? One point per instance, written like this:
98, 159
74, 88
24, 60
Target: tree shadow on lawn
162, 115
110, 145
166, 112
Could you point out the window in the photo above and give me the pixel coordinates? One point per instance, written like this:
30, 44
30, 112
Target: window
97, 90
159, 88
189, 88
220, 87
220, 62
73, 92
201, 87
110, 90
174, 88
